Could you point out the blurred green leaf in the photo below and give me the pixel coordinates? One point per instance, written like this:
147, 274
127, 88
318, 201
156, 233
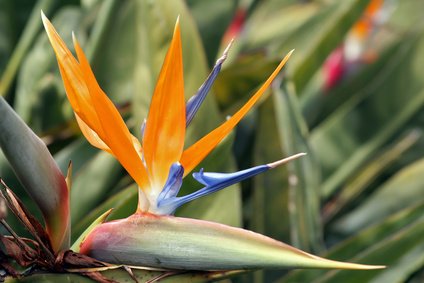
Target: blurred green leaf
100, 29
79, 152
267, 209
318, 105
274, 22
40, 98
236, 82
350, 136
212, 19
313, 29
304, 181
399, 246
398, 192
332, 32
390, 229
123, 203
91, 186
269, 191
357, 185
385, 42
30, 32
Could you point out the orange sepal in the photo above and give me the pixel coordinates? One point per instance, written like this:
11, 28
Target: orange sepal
163, 140
192, 156
114, 131
73, 80
103, 126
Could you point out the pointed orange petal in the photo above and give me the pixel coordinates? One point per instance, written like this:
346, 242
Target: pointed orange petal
163, 140
114, 131
75, 86
198, 151
94, 108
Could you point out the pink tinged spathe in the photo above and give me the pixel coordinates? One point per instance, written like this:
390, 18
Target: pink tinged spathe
180, 243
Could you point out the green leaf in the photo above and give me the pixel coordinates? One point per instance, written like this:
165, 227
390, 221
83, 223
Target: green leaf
347, 139
366, 239
237, 81
40, 98
123, 204
398, 192
313, 29
333, 31
371, 171
91, 186
267, 208
79, 152
269, 200
304, 178
31, 30
217, 14
317, 104
38, 173
400, 246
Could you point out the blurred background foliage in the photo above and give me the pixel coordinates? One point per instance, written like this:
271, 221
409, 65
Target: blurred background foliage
351, 96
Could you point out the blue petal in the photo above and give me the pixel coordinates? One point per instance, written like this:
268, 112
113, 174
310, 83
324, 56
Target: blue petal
173, 183
196, 100
218, 181
169, 202
213, 182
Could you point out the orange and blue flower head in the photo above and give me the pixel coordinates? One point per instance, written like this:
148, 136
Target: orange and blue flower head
158, 162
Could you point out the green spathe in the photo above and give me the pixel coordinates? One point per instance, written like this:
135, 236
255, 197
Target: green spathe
38, 173
181, 243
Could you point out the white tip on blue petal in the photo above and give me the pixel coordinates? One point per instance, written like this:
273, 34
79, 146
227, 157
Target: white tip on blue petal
285, 160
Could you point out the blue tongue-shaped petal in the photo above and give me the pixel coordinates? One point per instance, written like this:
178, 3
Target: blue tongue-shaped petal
214, 182
173, 183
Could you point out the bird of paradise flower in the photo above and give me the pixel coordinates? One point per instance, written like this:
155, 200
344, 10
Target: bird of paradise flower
158, 163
